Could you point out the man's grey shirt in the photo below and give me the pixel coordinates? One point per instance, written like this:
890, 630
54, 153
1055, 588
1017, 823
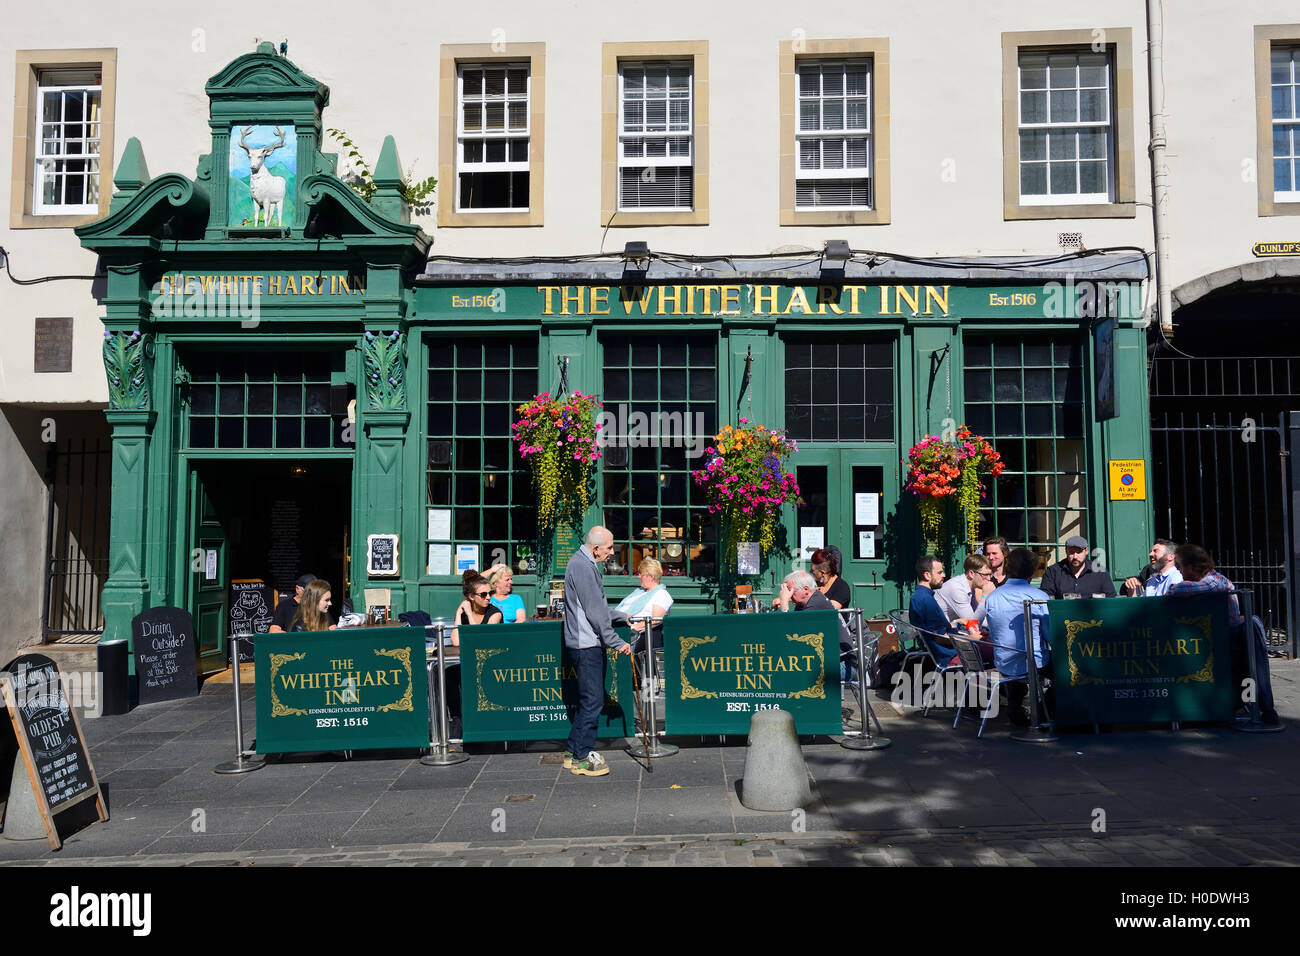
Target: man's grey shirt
586, 611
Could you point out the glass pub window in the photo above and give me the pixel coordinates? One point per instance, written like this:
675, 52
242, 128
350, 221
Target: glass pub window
493, 137
652, 507
263, 400
1026, 395
839, 390
474, 386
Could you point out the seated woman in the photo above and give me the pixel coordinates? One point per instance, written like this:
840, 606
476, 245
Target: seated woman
476, 608
313, 612
826, 571
502, 581
651, 599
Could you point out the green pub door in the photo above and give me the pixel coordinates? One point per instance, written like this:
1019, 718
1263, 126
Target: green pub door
850, 500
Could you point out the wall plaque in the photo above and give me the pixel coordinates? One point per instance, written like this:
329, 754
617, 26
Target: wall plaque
53, 344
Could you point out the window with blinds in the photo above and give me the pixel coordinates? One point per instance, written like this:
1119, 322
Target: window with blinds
67, 143
656, 153
833, 139
492, 137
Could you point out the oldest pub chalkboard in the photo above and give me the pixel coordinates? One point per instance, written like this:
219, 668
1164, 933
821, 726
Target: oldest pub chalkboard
55, 755
166, 655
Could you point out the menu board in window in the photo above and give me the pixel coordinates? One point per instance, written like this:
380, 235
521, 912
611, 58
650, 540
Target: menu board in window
381, 555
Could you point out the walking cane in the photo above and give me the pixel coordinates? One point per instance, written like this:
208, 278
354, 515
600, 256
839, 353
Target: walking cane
640, 713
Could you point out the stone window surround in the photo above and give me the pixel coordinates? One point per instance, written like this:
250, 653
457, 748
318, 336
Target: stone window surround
611, 53
450, 55
1265, 38
30, 63
877, 49
1120, 41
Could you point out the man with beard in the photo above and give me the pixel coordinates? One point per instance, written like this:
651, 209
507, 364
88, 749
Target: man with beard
1159, 575
1076, 574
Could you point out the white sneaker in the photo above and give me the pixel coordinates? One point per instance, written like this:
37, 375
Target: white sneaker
593, 765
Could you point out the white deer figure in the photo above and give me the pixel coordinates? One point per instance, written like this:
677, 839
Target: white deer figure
267, 190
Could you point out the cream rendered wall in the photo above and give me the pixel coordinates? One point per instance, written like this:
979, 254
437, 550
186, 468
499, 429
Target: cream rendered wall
1210, 96
945, 63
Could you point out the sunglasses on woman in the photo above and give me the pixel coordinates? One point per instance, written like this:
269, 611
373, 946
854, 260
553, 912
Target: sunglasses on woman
482, 593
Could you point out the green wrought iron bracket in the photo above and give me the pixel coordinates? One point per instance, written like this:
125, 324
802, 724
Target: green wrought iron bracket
125, 365
385, 369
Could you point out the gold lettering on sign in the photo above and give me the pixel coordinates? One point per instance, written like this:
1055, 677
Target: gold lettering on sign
761, 297
600, 301
730, 299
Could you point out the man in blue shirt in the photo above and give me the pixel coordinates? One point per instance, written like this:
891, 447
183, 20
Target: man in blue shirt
924, 611
1005, 617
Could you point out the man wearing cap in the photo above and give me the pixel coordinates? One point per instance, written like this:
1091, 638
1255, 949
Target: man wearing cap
283, 615
1075, 575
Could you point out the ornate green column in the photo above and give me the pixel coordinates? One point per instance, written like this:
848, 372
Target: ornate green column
131, 417
380, 464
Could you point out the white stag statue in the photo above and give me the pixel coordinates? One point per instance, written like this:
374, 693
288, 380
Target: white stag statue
267, 190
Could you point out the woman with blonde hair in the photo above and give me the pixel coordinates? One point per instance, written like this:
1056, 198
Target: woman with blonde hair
501, 580
313, 612
651, 599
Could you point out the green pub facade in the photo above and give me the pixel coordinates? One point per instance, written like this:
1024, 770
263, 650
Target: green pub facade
291, 374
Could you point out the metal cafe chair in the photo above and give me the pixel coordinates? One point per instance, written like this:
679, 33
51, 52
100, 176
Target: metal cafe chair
920, 649
974, 668
909, 638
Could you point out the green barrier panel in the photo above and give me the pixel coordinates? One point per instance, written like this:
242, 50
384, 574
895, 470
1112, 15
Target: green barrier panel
517, 684
358, 689
719, 670
1141, 660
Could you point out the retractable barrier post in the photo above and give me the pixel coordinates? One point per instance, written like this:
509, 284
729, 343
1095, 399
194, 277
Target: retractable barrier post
656, 748
1035, 733
862, 740
243, 762
440, 753
1254, 725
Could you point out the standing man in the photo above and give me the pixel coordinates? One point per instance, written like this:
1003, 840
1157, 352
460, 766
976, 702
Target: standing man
586, 628
1005, 616
1076, 574
1157, 577
995, 549
285, 610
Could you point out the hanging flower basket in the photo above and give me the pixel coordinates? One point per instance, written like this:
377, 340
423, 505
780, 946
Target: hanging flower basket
940, 470
556, 437
745, 484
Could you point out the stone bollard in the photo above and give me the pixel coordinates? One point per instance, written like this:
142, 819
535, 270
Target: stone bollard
775, 775
22, 816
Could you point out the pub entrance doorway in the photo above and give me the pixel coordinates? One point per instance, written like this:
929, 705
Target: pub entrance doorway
849, 499
267, 520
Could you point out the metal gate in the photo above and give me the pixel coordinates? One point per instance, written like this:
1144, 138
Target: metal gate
1222, 480
78, 485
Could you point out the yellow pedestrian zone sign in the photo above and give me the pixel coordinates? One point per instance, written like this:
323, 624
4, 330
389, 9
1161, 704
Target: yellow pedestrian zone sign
1128, 480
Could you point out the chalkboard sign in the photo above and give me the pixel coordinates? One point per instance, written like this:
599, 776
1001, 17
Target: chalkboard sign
381, 555
166, 655
55, 755
251, 604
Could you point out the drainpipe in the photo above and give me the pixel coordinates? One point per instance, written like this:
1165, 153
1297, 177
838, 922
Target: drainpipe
1159, 166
